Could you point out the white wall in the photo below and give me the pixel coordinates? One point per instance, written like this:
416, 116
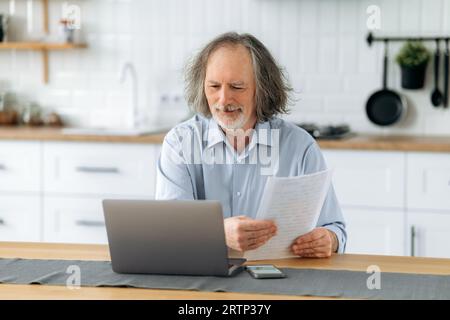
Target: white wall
321, 43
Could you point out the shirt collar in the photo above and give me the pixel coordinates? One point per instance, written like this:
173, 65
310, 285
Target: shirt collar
261, 134
215, 134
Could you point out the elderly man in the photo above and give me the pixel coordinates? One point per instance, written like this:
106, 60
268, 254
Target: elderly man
237, 89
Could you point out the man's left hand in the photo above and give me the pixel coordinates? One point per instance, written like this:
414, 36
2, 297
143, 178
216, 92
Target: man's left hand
319, 243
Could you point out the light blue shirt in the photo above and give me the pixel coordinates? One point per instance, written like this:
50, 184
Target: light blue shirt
198, 162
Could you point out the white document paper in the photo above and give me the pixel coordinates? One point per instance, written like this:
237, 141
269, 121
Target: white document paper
294, 203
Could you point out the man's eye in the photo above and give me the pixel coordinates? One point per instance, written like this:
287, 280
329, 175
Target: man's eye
237, 88
214, 86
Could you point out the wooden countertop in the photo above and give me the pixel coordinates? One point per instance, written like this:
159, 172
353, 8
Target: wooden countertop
55, 134
390, 143
357, 142
100, 252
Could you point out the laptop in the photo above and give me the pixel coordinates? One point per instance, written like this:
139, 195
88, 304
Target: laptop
178, 237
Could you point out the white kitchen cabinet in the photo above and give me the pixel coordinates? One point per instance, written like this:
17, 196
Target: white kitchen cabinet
20, 218
52, 191
74, 220
375, 231
99, 168
368, 178
20, 166
428, 234
428, 181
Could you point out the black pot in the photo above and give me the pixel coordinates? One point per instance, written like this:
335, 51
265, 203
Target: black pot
413, 77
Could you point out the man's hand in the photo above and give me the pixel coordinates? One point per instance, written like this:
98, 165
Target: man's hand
319, 243
243, 233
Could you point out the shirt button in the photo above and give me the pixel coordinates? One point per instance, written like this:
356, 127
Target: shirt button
238, 194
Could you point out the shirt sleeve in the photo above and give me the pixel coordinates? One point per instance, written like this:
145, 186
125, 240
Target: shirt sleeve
173, 181
331, 216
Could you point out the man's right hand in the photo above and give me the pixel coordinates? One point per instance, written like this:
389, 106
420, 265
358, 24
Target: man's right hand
243, 233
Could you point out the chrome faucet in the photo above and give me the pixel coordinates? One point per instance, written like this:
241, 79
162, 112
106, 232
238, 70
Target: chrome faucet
128, 67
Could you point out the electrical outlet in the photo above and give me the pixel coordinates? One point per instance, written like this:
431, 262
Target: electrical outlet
164, 98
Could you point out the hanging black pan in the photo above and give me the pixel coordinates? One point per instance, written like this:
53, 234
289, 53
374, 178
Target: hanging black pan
385, 107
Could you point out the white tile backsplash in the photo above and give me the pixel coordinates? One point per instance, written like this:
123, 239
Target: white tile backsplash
431, 16
444, 17
390, 11
347, 54
320, 43
410, 16
308, 17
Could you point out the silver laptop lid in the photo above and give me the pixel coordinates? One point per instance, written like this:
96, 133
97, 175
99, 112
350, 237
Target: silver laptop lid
166, 237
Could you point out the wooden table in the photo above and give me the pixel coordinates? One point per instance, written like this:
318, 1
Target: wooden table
100, 252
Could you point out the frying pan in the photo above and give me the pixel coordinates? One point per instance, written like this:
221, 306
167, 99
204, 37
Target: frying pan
385, 107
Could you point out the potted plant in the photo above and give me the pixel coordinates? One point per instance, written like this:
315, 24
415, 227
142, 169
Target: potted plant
413, 59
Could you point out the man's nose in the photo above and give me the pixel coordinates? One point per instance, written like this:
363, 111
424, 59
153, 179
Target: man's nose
224, 96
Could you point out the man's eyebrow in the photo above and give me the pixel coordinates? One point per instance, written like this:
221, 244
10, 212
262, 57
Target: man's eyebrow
235, 83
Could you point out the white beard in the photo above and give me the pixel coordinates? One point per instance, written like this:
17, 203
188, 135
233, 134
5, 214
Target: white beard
238, 123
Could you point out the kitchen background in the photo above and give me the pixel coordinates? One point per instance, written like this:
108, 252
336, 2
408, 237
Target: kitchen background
320, 43
394, 193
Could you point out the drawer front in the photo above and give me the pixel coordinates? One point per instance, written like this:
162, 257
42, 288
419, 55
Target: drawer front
72, 220
75, 220
367, 178
428, 234
375, 231
428, 183
100, 168
20, 218
20, 166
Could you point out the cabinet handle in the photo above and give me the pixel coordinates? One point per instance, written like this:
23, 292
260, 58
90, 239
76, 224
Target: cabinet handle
413, 241
2, 166
97, 169
89, 223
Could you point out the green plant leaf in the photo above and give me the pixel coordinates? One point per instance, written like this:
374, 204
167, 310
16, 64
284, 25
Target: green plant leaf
413, 54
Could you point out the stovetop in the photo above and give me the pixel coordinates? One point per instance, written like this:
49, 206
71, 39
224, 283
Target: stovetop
327, 132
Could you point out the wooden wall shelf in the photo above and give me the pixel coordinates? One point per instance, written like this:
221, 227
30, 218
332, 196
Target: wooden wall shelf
40, 46
44, 48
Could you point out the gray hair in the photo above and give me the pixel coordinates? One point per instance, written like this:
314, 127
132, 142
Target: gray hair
272, 94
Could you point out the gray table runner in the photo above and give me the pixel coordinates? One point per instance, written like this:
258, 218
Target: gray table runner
308, 282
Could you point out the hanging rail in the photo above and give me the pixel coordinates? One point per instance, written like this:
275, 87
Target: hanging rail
371, 38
